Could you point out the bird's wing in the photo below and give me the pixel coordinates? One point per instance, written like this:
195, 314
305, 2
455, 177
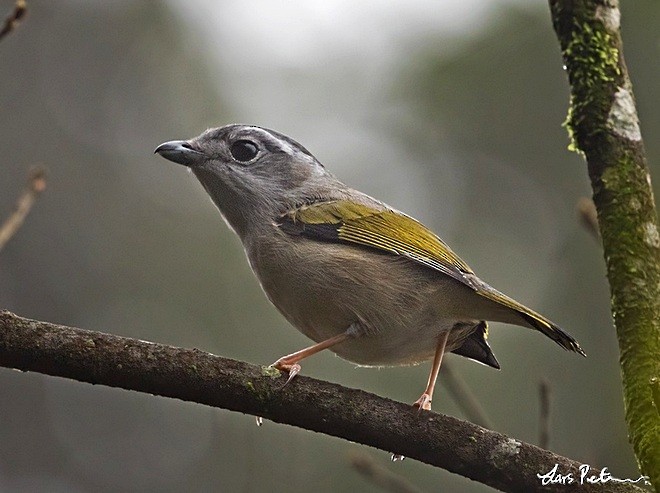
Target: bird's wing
388, 230
384, 229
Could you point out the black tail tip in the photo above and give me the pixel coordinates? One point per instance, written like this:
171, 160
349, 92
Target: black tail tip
558, 335
576, 347
566, 341
573, 346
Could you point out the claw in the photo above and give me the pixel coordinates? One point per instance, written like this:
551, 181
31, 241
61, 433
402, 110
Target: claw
424, 402
289, 363
291, 369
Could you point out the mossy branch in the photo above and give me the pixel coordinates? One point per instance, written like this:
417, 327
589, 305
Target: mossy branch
193, 375
604, 127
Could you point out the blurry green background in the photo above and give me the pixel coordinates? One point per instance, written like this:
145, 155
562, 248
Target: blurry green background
450, 111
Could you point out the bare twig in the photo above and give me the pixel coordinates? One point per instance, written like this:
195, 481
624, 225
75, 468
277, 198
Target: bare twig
193, 375
14, 18
36, 184
374, 472
544, 414
588, 216
463, 396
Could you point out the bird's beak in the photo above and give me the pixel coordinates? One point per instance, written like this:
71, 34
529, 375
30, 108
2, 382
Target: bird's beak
181, 152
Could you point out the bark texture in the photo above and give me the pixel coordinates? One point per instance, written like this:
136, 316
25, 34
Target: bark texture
604, 127
193, 375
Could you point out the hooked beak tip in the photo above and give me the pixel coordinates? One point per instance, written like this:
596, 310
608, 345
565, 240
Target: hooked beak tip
180, 152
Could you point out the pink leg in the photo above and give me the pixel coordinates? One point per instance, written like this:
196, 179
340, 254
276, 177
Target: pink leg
424, 402
289, 363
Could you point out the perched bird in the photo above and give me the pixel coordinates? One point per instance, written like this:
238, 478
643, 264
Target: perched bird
353, 274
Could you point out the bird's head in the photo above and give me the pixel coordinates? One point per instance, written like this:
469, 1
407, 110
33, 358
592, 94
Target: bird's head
251, 173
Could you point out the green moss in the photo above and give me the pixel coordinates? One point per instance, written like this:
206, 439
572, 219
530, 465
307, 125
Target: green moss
610, 177
250, 386
592, 62
626, 210
619, 179
270, 371
655, 392
570, 129
631, 254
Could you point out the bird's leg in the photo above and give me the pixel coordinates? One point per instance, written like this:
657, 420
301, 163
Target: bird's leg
289, 363
424, 402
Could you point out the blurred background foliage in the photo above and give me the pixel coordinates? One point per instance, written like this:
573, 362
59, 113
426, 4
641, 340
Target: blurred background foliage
451, 113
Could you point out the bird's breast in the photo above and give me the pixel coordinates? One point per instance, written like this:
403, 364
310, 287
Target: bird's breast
324, 288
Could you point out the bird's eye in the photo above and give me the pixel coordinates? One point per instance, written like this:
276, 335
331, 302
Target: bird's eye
243, 150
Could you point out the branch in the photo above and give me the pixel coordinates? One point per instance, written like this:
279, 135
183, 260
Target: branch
193, 375
604, 127
36, 185
14, 18
544, 414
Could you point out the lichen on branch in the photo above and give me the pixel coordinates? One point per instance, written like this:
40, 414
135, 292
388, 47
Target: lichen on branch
603, 126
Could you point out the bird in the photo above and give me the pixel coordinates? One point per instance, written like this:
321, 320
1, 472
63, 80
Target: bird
353, 274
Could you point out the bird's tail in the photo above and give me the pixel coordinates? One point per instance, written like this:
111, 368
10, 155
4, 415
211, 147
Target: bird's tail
519, 314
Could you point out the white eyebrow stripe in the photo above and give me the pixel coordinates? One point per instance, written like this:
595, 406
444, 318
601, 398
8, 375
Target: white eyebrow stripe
286, 147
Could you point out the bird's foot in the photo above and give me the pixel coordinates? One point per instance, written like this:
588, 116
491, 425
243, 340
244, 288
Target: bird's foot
285, 367
424, 402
